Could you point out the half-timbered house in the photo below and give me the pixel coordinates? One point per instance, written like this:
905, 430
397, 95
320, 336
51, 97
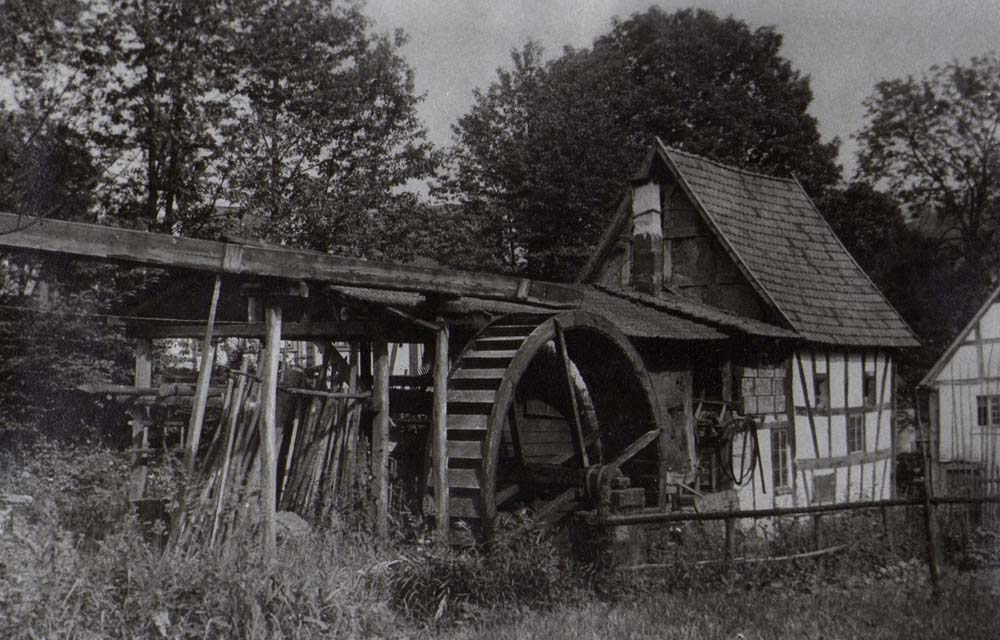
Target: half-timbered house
756, 247
964, 405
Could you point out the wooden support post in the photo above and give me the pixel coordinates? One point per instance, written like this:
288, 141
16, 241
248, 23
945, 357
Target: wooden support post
930, 523
730, 540
201, 389
268, 453
140, 418
439, 443
380, 438
581, 449
817, 532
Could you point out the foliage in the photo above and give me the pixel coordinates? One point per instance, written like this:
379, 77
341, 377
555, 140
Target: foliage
546, 151
290, 119
935, 145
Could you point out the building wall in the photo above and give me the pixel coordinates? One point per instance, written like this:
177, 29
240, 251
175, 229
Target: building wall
972, 372
825, 469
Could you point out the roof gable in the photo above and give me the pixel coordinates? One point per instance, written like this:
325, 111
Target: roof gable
789, 253
949, 353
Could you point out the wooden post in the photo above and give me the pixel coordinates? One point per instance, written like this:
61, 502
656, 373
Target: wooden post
380, 438
268, 453
201, 389
930, 523
439, 453
730, 540
140, 418
817, 532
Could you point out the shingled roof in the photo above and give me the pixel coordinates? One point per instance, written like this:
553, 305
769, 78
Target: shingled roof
789, 253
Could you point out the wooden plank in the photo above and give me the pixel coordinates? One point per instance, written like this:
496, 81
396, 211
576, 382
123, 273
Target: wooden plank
470, 421
268, 454
465, 449
113, 243
576, 424
479, 374
380, 438
808, 407
289, 331
439, 433
201, 388
861, 457
474, 396
464, 479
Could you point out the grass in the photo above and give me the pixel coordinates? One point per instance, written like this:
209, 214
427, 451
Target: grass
871, 612
80, 568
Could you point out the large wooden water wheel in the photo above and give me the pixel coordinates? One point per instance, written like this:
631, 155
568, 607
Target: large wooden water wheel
535, 404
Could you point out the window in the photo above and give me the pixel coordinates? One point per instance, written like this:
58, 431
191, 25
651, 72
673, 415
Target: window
988, 411
855, 433
779, 457
821, 390
869, 390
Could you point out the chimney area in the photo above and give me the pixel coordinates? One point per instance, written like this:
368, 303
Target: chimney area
647, 238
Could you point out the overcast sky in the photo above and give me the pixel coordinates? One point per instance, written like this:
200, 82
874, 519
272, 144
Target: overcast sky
845, 46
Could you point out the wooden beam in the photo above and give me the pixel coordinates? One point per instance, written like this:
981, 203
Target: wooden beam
439, 435
201, 388
380, 438
268, 452
289, 330
581, 449
112, 243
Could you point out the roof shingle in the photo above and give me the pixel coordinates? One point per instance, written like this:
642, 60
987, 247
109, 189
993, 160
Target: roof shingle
790, 254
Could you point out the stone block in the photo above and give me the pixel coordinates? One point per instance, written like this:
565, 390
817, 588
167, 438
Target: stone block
750, 405
762, 387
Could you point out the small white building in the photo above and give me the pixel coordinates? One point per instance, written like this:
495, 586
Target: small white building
964, 406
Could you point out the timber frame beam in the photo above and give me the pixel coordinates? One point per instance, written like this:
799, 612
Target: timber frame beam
156, 249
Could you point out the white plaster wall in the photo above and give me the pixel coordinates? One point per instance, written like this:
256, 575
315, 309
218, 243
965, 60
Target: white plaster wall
989, 324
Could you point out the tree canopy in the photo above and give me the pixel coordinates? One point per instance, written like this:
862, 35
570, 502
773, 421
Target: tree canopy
934, 145
293, 117
546, 150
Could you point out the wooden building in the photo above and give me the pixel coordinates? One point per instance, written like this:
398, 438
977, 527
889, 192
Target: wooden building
755, 247
964, 406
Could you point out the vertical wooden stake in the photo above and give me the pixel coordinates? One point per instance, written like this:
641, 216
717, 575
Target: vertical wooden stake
930, 522
817, 532
380, 438
201, 390
439, 453
730, 540
140, 418
268, 453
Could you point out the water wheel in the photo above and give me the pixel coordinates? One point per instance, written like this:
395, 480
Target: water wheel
534, 401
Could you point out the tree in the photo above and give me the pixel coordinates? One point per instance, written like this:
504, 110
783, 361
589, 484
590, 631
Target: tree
549, 147
326, 133
934, 143
290, 113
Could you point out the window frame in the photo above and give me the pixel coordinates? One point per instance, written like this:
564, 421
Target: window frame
780, 463
869, 389
988, 410
856, 435
821, 390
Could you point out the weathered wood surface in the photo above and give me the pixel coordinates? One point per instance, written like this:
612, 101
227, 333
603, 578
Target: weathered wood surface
128, 245
268, 452
439, 433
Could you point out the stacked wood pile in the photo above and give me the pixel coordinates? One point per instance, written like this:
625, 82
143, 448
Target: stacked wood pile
323, 457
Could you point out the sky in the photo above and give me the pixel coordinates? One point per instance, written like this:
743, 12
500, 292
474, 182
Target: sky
845, 46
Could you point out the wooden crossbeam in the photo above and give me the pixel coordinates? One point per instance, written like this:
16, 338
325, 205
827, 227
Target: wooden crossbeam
112, 243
